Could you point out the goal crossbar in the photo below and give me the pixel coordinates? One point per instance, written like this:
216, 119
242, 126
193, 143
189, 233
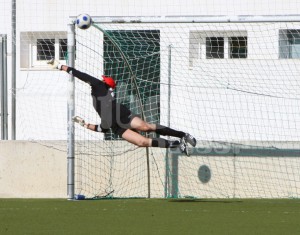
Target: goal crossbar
195, 19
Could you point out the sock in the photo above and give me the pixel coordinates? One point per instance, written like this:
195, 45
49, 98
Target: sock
160, 142
163, 130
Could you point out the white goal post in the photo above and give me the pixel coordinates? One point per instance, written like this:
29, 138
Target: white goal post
231, 81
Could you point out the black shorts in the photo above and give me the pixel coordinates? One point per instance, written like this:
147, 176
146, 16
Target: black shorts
126, 120
119, 120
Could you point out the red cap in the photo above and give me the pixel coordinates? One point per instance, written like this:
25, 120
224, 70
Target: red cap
109, 81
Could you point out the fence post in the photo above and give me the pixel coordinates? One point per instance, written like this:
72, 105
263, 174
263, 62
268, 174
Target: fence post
13, 70
3, 86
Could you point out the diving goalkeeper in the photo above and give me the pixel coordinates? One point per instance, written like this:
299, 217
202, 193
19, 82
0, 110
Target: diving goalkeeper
120, 119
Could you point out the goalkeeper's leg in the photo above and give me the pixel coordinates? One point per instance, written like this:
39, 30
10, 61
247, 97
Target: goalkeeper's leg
140, 125
142, 141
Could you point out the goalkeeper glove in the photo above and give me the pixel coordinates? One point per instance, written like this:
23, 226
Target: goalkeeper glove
80, 121
54, 64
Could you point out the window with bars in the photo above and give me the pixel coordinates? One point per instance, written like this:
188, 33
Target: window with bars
39, 47
216, 47
47, 49
237, 47
289, 44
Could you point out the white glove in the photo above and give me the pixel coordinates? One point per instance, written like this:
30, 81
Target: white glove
55, 64
79, 120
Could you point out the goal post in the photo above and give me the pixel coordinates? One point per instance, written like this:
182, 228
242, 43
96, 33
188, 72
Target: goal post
71, 114
232, 82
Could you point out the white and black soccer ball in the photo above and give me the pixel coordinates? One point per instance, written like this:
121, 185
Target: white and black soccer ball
83, 21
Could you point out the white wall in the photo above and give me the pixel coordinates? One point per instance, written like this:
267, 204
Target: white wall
215, 99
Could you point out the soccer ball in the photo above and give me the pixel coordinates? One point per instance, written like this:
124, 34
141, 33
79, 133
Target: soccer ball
83, 21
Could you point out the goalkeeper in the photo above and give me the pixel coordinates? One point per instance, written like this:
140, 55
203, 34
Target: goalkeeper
119, 118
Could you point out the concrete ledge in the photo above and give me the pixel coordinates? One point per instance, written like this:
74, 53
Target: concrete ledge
33, 169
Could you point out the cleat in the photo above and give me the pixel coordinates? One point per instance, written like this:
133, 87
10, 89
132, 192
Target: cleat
174, 144
183, 147
190, 139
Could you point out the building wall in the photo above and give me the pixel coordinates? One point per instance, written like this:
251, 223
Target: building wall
216, 101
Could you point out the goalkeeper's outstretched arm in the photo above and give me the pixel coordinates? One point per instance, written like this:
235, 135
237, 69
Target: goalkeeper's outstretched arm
91, 127
88, 126
80, 75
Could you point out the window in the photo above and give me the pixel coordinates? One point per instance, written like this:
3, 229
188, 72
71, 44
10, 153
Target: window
63, 49
237, 47
39, 47
217, 45
45, 49
289, 44
214, 47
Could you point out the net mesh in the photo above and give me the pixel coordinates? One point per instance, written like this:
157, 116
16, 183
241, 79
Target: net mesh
233, 86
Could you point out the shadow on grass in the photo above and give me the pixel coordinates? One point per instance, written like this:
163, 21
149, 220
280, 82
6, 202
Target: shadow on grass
204, 200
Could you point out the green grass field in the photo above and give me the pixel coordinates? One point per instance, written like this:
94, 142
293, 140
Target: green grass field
150, 216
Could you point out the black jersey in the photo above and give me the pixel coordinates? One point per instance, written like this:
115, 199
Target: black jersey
113, 115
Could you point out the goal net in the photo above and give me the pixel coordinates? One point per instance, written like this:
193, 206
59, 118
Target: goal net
232, 85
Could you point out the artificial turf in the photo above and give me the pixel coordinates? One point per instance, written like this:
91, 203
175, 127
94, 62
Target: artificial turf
150, 216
